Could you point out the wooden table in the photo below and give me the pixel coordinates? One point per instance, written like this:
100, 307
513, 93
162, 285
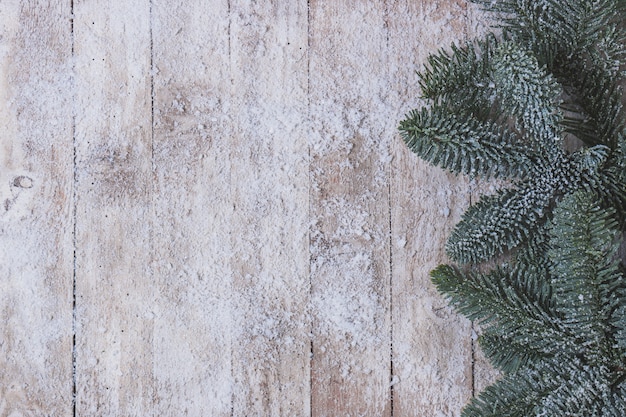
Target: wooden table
206, 210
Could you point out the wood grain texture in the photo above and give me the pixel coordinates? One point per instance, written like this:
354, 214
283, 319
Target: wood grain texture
269, 186
114, 287
224, 183
192, 208
350, 160
36, 250
432, 347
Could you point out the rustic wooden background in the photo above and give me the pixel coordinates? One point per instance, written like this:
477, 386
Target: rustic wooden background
206, 210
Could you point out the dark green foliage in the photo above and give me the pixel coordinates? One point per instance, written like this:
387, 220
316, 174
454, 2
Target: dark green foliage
520, 329
503, 107
540, 106
467, 146
563, 31
584, 272
552, 388
500, 222
553, 319
497, 81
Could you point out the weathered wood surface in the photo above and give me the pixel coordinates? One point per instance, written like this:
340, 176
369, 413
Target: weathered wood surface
36, 210
191, 237
431, 345
114, 284
207, 211
269, 192
350, 302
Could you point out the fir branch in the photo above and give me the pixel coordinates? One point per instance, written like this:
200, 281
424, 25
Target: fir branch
564, 31
466, 146
459, 81
561, 349
612, 187
517, 394
507, 353
495, 80
584, 270
555, 388
582, 390
554, 316
595, 107
618, 321
501, 222
478, 89
503, 304
529, 94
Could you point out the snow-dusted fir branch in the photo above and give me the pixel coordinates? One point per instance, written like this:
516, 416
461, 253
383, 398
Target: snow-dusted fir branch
553, 329
496, 110
539, 105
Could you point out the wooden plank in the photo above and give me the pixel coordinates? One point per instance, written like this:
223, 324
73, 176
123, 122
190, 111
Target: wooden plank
192, 114
36, 254
115, 298
269, 186
432, 347
350, 264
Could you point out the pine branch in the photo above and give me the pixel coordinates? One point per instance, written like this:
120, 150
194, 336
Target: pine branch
595, 107
497, 81
564, 31
529, 94
460, 80
582, 42
554, 319
612, 186
497, 112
